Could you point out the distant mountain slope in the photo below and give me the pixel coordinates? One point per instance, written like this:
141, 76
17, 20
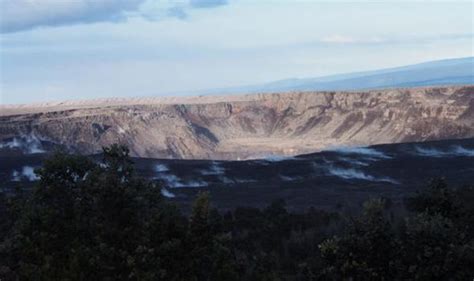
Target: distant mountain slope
443, 72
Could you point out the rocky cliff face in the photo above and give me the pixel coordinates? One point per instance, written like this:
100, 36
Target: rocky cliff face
241, 127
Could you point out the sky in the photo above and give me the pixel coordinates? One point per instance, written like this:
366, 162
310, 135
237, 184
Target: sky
53, 50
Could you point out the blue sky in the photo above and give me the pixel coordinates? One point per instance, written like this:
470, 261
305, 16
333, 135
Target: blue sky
80, 49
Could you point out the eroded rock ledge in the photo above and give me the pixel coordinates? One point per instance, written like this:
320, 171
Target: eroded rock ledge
245, 126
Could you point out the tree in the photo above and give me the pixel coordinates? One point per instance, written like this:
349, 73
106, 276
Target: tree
435, 243
434, 249
438, 198
366, 250
92, 220
96, 219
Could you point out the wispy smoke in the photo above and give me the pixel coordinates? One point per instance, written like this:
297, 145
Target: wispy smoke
16, 176
28, 144
453, 151
461, 151
356, 174
214, 169
173, 181
244, 180
167, 194
353, 161
27, 173
161, 168
226, 180
198, 183
288, 178
365, 151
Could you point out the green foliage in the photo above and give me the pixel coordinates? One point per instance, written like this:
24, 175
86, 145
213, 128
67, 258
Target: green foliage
88, 220
437, 199
436, 244
96, 220
432, 249
432, 244
366, 250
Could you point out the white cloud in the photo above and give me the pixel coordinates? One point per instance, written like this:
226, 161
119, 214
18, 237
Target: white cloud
207, 3
18, 15
245, 42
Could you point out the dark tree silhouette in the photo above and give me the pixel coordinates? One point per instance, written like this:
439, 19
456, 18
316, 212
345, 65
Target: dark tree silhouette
97, 220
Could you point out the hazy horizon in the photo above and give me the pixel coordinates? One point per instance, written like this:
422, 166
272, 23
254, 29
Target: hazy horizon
54, 50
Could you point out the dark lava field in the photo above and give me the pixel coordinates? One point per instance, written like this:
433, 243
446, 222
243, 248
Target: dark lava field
342, 177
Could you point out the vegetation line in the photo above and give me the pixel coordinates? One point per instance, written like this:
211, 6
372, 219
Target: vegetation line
99, 221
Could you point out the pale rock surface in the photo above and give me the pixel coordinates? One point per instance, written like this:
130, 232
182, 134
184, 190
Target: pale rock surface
247, 126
